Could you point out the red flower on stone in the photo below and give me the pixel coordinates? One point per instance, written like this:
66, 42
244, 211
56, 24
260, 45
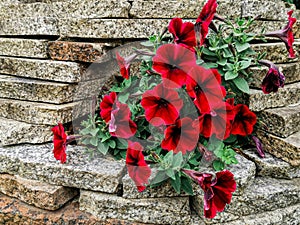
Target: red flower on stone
183, 33
217, 191
120, 124
182, 136
162, 105
60, 143
106, 106
244, 120
204, 19
173, 62
124, 66
205, 87
137, 168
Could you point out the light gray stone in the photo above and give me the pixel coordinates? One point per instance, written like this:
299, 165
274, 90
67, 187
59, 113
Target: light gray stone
14, 132
38, 163
270, 166
41, 69
154, 210
24, 47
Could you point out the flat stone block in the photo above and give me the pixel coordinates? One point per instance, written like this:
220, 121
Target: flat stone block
281, 121
35, 90
288, 95
41, 69
38, 163
39, 194
14, 132
270, 166
154, 210
24, 47
287, 149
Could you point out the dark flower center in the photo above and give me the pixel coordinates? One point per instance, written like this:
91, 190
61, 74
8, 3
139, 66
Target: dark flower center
162, 103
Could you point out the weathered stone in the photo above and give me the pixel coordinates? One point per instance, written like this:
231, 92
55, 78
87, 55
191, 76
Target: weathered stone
281, 121
39, 194
152, 210
13, 211
287, 149
291, 72
38, 163
29, 26
288, 95
35, 90
41, 69
23, 47
15, 132
270, 166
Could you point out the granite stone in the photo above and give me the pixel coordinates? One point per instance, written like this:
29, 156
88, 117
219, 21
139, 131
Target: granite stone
152, 210
281, 121
270, 166
287, 149
41, 69
24, 47
39, 194
14, 132
38, 163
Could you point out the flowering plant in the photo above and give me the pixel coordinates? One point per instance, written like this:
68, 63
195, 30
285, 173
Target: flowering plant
183, 115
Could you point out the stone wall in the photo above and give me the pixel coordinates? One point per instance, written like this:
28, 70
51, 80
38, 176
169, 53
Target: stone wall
52, 50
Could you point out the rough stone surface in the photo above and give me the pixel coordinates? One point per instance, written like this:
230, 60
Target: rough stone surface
23, 47
13, 212
38, 163
35, 90
291, 72
288, 95
153, 210
270, 166
39, 194
282, 121
15, 132
41, 69
287, 149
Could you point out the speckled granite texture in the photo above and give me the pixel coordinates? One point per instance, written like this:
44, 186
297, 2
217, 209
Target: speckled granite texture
38, 163
39, 194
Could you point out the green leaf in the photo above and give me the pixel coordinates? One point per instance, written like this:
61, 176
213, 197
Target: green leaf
210, 65
244, 64
186, 185
222, 62
123, 97
168, 159
176, 184
112, 144
159, 178
242, 85
94, 141
102, 148
230, 74
231, 139
121, 144
218, 165
94, 132
147, 44
171, 173
241, 47
207, 52
177, 160
85, 141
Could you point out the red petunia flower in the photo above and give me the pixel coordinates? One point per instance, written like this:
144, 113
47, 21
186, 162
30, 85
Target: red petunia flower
173, 62
162, 105
205, 87
286, 34
217, 121
244, 120
106, 106
183, 33
137, 168
181, 137
124, 64
204, 19
120, 124
60, 143
217, 191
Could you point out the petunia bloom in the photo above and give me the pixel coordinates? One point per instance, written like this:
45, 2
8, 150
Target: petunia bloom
162, 105
173, 62
204, 19
137, 168
217, 190
274, 78
183, 33
60, 143
205, 87
106, 106
244, 120
124, 64
286, 34
120, 124
181, 137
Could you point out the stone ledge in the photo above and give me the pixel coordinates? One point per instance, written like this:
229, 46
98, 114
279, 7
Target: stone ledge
37, 162
39, 194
